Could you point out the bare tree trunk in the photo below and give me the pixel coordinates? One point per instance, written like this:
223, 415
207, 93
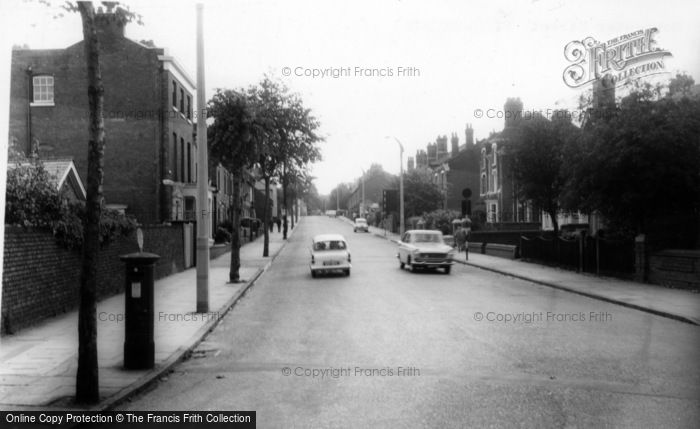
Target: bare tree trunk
294, 198
284, 198
266, 220
555, 224
87, 379
234, 270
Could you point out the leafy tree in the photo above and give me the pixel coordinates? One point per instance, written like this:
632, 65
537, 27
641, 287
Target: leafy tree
640, 164
233, 138
681, 85
287, 136
339, 197
420, 194
538, 156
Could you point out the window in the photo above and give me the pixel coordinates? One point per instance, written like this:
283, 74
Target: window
189, 162
427, 238
174, 158
43, 89
189, 107
330, 245
182, 100
182, 160
174, 94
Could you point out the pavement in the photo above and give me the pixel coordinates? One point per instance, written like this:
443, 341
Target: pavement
38, 365
678, 304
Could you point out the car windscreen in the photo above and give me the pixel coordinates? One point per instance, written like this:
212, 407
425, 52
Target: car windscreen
330, 245
427, 238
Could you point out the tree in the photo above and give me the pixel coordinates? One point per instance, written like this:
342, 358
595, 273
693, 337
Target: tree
538, 156
339, 197
640, 164
232, 141
289, 138
87, 378
420, 194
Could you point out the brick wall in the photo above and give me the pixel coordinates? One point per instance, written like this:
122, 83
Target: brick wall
41, 279
675, 268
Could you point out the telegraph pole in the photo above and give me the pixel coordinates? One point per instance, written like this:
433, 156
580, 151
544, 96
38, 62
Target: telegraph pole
202, 177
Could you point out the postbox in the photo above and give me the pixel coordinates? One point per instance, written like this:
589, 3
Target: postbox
139, 348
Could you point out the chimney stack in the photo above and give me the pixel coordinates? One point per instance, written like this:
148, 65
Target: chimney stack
110, 26
469, 135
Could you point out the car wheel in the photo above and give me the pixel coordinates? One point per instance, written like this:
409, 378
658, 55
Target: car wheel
401, 264
448, 269
347, 272
313, 274
408, 263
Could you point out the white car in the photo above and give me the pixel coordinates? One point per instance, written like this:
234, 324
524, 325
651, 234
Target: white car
421, 248
360, 225
329, 252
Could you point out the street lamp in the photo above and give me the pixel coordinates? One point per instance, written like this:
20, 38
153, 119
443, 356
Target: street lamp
362, 206
401, 221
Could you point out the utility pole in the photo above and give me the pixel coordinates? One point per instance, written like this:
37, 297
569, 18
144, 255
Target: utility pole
202, 177
363, 208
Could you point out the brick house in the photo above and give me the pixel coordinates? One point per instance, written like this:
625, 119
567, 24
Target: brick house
498, 187
150, 163
455, 173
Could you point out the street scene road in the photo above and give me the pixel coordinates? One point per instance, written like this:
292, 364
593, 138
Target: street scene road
386, 347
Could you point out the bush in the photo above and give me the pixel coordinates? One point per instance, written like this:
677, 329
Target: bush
227, 225
441, 220
33, 201
31, 198
222, 235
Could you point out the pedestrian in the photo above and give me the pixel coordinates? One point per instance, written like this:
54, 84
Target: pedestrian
272, 224
284, 227
278, 221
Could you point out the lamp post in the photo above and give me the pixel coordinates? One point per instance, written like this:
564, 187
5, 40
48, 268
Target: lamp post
401, 219
362, 206
202, 177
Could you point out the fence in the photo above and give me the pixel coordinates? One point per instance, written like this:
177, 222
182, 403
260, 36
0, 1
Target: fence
589, 254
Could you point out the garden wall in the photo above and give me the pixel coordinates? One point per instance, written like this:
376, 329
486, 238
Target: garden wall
41, 279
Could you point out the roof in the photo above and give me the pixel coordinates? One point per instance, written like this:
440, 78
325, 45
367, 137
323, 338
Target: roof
329, 237
60, 171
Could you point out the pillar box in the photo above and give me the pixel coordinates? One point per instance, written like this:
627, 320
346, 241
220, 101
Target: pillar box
139, 348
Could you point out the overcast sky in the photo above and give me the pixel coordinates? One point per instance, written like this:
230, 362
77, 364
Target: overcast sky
464, 56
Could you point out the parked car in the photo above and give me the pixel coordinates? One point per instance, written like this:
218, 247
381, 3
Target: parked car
421, 248
361, 225
329, 252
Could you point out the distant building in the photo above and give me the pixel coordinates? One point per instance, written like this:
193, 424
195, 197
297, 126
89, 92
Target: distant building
455, 172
